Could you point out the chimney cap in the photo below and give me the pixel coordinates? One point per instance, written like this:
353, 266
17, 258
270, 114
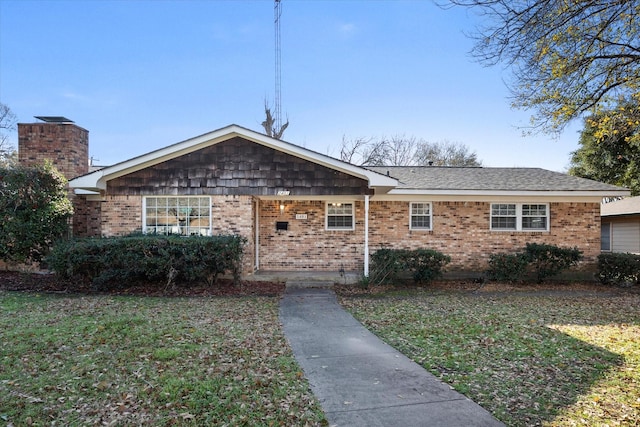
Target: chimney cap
54, 119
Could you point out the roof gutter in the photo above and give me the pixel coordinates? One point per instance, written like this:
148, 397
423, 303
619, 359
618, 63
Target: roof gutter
534, 193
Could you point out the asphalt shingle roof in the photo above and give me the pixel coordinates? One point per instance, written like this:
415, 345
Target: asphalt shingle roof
488, 179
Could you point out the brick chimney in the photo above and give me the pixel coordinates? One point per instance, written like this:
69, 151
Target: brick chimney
57, 139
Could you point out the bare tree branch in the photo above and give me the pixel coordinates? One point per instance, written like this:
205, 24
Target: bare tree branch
269, 123
568, 58
8, 121
401, 150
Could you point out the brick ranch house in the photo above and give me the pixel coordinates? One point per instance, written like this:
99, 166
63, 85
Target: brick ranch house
302, 211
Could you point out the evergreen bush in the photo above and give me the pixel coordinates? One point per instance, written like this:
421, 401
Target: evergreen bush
549, 260
425, 265
621, 269
116, 262
537, 260
34, 211
507, 267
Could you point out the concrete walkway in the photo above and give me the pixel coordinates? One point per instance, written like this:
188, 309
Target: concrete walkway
361, 381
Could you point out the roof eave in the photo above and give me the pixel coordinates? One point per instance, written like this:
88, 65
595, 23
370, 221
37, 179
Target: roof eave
536, 193
97, 180
91, 182
619, 214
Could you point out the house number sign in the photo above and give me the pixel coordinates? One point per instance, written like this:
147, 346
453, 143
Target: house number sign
301, 216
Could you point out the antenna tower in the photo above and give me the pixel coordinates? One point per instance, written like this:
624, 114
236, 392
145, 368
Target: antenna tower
277, 11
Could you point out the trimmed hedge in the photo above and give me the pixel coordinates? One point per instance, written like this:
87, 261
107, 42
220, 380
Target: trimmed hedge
550, 260
425, 265
116, 262
621, 269
507, 267
538, 260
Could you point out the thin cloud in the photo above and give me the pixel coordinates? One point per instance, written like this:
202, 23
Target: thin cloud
347, 29
74, 96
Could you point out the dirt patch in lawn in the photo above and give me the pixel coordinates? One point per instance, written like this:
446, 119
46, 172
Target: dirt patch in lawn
51, 283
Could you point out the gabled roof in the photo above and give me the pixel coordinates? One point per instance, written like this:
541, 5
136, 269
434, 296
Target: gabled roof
97, 180
627, 206
391, 180
492, 181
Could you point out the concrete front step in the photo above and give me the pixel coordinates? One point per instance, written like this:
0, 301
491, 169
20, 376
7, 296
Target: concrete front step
298, 284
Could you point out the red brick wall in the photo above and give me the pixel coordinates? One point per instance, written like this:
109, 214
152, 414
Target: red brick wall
121, 215
87, 217
234, 215
461, 230
306, 245
66, 145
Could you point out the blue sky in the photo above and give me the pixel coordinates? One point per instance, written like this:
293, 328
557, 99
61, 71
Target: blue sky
140, 75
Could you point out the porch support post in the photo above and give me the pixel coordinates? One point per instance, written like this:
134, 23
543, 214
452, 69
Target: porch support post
256, 226
366, 235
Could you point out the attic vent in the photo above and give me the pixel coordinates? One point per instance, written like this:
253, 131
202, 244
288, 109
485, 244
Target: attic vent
54, 119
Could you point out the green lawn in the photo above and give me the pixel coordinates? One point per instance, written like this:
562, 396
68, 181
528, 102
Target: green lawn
93, 360
548, 360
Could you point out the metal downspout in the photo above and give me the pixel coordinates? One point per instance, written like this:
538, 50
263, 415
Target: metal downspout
257, 235
366, 235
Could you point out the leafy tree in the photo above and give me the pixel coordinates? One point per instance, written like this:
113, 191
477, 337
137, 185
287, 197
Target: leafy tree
8, 153
614, 158
569, 58
400, 150
34, 211
8, 157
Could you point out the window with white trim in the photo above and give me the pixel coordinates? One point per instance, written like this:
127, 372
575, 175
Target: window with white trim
340, 216
520, 216
186, 216
420, 216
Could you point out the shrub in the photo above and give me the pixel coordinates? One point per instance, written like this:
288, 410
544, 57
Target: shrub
118, 261
386, 264
507, 267
549, 260
622, 269
538, 260
34, 211
425, 265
